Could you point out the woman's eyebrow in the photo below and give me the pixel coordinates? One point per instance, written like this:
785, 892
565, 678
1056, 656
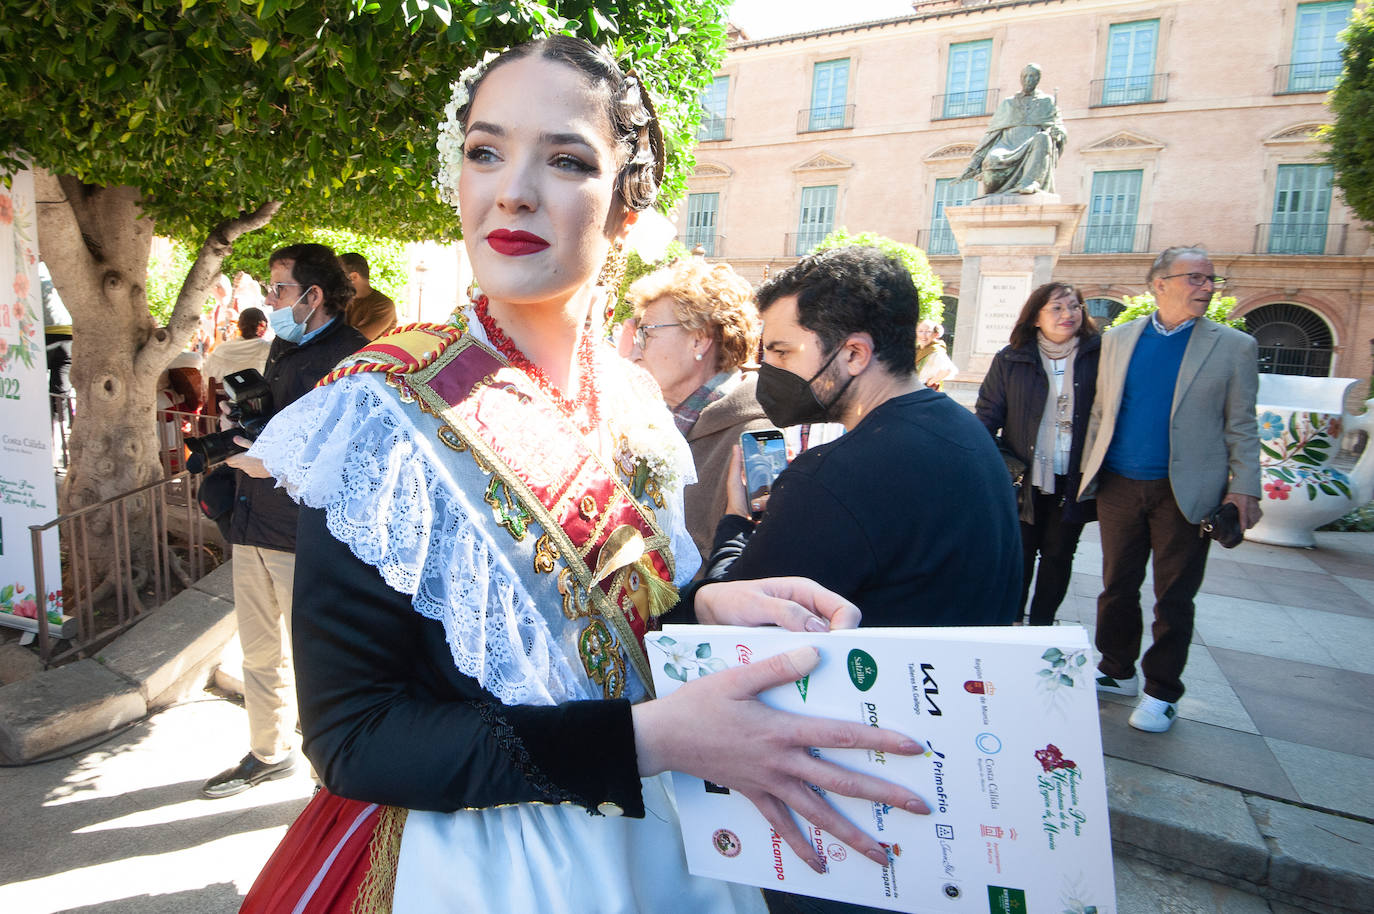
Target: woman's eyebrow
565, 139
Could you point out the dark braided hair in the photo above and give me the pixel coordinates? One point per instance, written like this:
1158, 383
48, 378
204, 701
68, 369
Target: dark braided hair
634, 124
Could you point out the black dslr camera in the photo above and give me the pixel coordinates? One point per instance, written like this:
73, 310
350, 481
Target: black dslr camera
250, 405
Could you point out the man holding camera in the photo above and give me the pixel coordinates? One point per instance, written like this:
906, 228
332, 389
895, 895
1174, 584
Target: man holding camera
308, 292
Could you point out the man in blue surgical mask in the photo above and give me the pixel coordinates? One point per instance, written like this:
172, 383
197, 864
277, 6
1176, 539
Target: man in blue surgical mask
308, 293
910, 513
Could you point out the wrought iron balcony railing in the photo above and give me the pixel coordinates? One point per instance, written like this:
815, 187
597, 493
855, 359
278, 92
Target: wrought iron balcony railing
832, 117
937, 241
711, 245
714, 129
1108, 238
1317, 76
963, 104
1300, 237
1128, 90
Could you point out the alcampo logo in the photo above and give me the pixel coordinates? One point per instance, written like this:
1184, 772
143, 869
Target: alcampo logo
863, 670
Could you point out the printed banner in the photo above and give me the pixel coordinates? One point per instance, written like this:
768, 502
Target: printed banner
1012, 772
28, 493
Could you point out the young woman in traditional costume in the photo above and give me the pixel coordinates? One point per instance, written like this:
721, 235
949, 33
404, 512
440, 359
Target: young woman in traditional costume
492, 510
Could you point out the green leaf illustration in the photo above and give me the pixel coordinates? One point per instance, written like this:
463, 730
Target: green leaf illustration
1311, 492
1344, 489
675, 671
1066, 680
7, 592
703, 651
664, 639
1044, 674
1082, 659
714, 664
1270, 452
1052, 654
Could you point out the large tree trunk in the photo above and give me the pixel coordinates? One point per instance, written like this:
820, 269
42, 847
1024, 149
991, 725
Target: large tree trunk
96, 242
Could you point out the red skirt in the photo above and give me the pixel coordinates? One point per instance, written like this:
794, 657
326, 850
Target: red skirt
322, 861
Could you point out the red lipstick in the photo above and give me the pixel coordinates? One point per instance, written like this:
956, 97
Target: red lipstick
515, 244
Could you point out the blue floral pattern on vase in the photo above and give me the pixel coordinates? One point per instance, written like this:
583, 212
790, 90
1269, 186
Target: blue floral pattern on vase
1295, 455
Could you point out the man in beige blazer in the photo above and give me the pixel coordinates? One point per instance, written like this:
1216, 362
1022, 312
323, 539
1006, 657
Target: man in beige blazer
1172, 436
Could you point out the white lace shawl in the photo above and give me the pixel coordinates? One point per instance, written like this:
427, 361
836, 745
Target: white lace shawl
352, 449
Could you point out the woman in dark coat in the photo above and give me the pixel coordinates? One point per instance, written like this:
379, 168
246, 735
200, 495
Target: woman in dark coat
1038, 394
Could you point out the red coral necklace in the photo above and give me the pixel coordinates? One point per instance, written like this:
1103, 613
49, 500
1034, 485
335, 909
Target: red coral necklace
586, 401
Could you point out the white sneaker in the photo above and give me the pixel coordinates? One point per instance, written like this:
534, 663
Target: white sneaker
1128, 687
1153, 715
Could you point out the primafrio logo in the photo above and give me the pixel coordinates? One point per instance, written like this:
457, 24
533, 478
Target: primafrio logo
863, 669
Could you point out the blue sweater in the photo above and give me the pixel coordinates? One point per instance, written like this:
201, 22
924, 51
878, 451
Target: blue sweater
1140, 443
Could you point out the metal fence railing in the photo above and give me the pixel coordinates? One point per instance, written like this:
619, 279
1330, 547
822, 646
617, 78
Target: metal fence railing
1128, 90
711, 245
1317, 76
713, 129
963, 104
1300, 237
799, 244
937, 241
1108, 238
120, 559
1307, 361
828, 117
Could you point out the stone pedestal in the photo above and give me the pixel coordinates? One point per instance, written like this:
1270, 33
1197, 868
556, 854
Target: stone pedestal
1010, 244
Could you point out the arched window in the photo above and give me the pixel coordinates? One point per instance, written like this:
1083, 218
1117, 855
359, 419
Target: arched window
1292, 340
1104, 310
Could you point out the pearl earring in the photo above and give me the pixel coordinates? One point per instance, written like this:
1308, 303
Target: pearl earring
698, 356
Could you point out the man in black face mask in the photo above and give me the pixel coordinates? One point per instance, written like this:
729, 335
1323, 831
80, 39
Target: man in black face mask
909, 514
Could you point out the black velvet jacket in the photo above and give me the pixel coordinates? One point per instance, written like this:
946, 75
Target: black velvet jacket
387, 717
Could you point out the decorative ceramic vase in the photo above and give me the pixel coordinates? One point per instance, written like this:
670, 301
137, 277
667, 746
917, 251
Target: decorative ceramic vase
1301, 422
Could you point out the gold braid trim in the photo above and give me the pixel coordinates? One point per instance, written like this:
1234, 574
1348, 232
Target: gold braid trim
379, 885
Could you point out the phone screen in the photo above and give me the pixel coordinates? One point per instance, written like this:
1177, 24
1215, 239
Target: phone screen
765, 456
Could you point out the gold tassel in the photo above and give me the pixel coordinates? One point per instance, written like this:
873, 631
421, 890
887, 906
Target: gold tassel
379, 885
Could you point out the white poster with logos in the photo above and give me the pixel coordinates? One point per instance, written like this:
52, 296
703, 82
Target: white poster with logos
1000, 299
28, 491
1012, 770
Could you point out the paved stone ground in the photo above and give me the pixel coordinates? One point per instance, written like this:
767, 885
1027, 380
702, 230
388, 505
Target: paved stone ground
1280, 705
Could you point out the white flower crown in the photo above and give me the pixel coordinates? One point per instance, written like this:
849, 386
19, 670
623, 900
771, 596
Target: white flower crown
450, 137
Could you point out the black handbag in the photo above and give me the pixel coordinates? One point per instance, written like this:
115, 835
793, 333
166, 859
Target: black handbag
1223, 525
1016, 467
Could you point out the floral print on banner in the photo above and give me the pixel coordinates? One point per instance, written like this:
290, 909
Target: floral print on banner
1295, 455
20, 324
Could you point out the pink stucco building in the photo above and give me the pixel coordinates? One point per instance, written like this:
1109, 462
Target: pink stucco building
1189, 121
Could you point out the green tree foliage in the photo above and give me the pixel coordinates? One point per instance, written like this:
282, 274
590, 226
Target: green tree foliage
1219, 310
166, 274
928, 285
636, 267
212, 109
1351, 136
205, 120
386, 257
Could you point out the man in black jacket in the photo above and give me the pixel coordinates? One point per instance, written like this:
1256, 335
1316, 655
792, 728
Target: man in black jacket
909, 513
308, 292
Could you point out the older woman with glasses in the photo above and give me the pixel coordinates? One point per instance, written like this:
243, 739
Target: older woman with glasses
696, 328
1035, 401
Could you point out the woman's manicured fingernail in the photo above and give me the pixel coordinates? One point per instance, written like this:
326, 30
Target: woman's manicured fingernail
877, 855
911, 747
814, 624
918, 806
